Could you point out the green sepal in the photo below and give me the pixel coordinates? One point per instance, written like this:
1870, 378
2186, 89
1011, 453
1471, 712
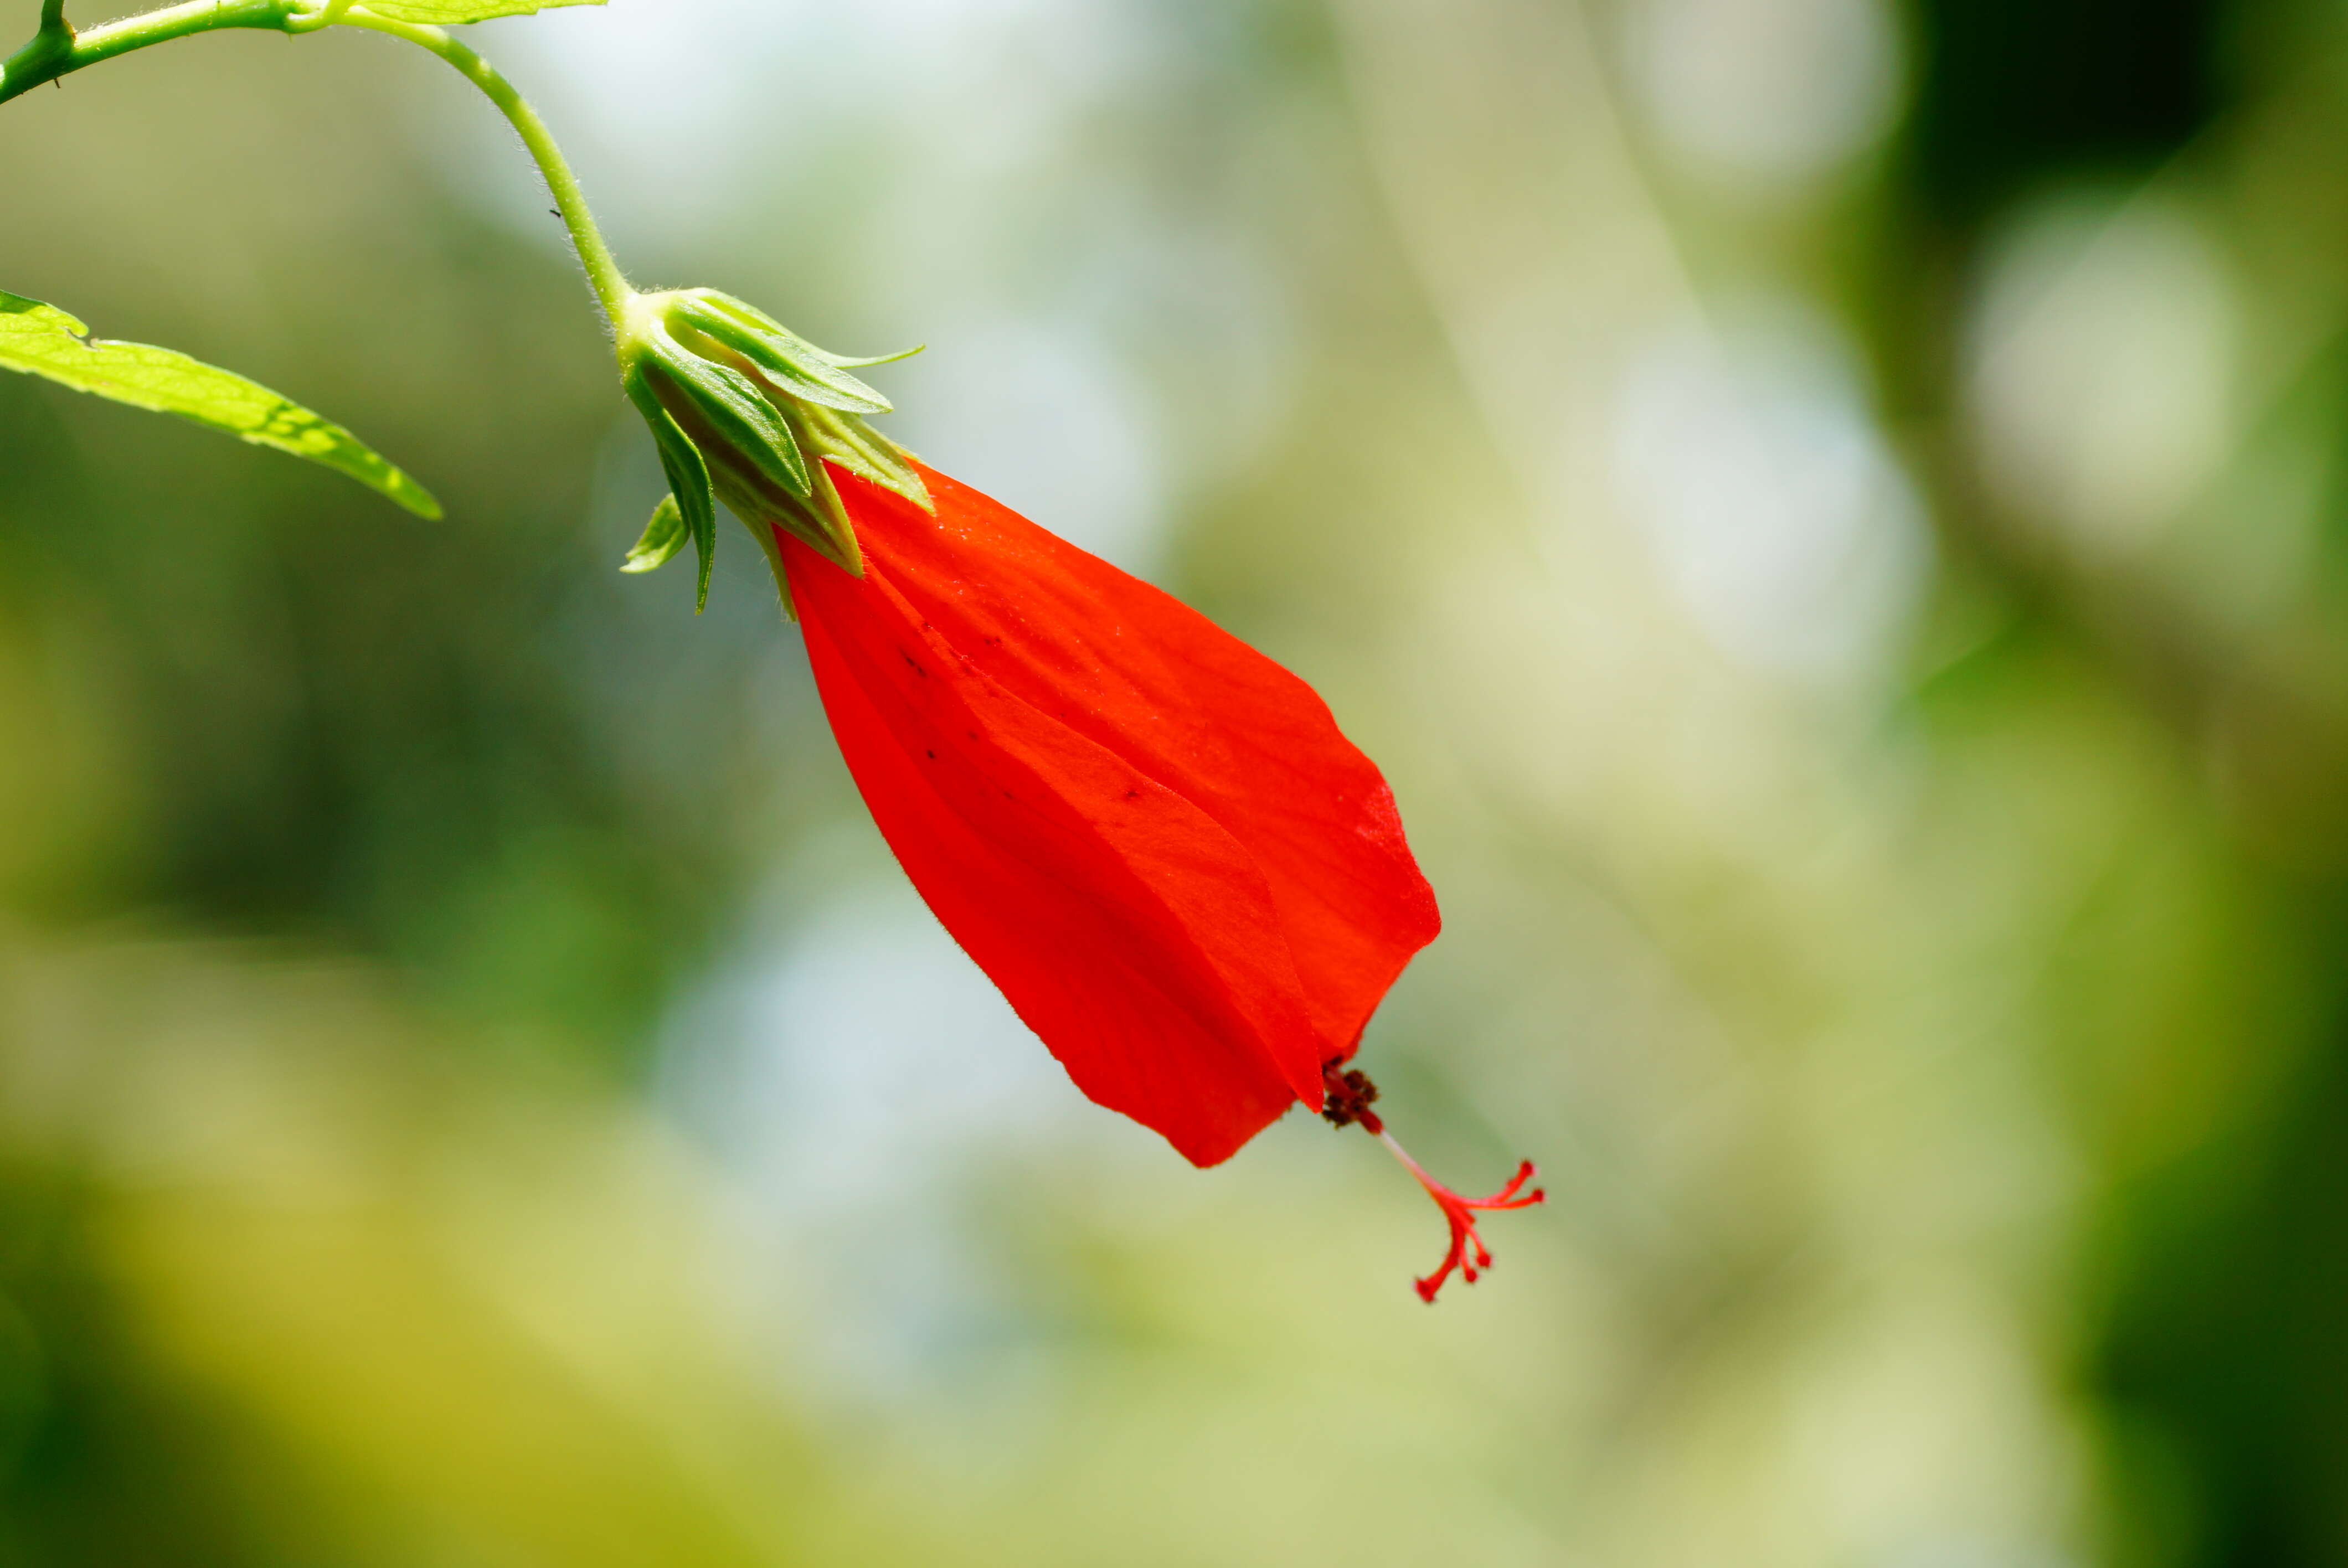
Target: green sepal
796, 368
739, 414
865, 452
688, 478
819, 519
42, 340
664, 537
845, 362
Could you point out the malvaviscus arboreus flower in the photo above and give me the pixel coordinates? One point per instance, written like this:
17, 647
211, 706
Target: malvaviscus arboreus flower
1150, 836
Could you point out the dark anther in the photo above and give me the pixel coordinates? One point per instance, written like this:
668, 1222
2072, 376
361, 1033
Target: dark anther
1349, 1094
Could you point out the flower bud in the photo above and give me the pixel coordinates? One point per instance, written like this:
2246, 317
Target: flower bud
746, 412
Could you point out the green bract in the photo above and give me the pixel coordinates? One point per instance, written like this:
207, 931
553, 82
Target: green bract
664, 537
746, 412
42, 340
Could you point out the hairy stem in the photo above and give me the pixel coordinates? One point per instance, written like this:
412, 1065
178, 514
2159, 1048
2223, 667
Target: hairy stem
603, 272
56, 51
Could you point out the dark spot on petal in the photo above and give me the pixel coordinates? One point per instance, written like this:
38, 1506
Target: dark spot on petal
1133, 795
931, 755
914, 663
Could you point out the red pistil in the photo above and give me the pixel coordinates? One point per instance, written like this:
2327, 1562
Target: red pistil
1349, 1094
1460, 1212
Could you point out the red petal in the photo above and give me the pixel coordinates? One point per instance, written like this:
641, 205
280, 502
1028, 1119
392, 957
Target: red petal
1151, 837
1146, 676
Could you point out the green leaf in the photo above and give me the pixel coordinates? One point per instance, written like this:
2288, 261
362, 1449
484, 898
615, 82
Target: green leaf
41, 340
450, 13
664, 537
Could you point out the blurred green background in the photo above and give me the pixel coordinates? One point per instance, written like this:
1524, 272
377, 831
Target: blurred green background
1832, 515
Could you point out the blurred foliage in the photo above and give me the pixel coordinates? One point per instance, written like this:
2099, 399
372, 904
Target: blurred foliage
1830, 516
2010, 93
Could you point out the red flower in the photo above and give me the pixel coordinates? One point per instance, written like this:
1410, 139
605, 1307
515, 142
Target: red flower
1149, 834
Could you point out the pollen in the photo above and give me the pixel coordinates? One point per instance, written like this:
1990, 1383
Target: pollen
1347, 1097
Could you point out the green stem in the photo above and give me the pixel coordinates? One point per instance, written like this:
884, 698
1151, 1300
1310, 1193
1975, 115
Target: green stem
55, 51
603, 272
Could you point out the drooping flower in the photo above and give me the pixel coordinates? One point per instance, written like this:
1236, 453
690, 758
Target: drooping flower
1151, 837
